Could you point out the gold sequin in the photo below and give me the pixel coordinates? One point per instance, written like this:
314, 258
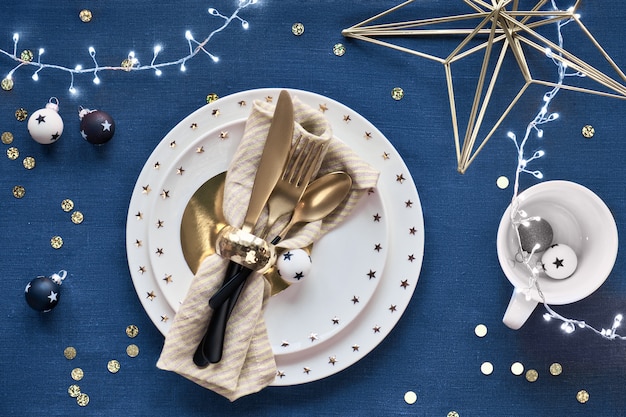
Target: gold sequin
82, 399
56, 242
556, 369
397, 93
7, 138
132, 350
27, 55
19, 191
7, 84
73, 390
77, 217
85, 15
69, 352
127, 64
582, 396
588, 131
29, 162
132, 331
67, 205
113, 366
13, 153
297, 29
21, 114
211, 98
339, 49
531, 375
77, 374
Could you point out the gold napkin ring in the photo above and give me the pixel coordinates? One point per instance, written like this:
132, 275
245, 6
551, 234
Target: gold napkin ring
245, 249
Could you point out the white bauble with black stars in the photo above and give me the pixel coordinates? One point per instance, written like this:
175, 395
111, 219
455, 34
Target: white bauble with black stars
43, 293
294, 265
45, 125
96, 127
559, 261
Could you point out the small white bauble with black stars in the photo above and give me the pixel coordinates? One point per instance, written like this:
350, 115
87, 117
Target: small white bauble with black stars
559, 261
45, 125
294, 265
96, 127
44, 293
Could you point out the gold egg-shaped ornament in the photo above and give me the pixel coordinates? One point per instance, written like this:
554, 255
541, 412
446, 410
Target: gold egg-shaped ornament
45, 125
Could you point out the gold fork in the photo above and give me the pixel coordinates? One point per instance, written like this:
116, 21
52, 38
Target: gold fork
303, 161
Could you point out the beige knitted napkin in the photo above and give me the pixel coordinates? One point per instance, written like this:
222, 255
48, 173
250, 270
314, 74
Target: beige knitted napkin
247, 364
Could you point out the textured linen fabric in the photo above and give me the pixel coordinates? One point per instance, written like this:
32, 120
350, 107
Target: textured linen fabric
247, 364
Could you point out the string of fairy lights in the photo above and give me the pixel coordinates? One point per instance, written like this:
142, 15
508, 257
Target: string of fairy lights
130, 64
518, 215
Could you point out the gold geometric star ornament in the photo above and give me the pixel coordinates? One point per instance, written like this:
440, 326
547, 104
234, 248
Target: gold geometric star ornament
500, 27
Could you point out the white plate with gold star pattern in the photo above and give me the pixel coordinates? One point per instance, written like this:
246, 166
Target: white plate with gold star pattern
359, 293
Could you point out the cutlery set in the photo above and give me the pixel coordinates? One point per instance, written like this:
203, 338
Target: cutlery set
283, 183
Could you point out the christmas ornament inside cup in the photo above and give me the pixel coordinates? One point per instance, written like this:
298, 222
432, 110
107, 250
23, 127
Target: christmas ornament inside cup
579, 219
96, 127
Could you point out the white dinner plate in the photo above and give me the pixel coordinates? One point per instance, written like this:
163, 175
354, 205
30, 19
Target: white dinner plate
316, 327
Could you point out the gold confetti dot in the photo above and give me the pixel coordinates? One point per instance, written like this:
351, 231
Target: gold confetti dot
339, 49
297, 29
410, 397
73, 390
132, 350
77, 374
588, 131
56, 242
77, 217
69, 352
7, 138
211, 98
7, 84
29, 162
132, 331
556, 369
19, 191
453, 414
531, 375
85, 15
27, 55
397, 93
486, 368
502, 182
67, 205
21, 114
517, 368
582, 396
127, 64
480, 330
82, 399
13, 153
113, 366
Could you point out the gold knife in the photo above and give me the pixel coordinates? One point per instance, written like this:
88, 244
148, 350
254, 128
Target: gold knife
271, 164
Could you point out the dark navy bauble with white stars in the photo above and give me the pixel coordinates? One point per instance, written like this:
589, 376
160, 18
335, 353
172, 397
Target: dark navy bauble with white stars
294, 265
43, 293
45, 125
96, 127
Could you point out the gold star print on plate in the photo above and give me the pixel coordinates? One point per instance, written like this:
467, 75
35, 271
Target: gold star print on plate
501, 28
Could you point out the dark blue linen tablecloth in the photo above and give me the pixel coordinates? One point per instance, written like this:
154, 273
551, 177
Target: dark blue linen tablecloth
432, 351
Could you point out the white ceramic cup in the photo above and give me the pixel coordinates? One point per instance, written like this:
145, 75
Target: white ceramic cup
579, 219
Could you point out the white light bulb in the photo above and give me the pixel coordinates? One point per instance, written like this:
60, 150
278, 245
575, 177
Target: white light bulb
35, 77
92, 51
188, 36
41, 51
78, 67
158, 72
72, 90
16, 37
183, 68
96, 80
157, 49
